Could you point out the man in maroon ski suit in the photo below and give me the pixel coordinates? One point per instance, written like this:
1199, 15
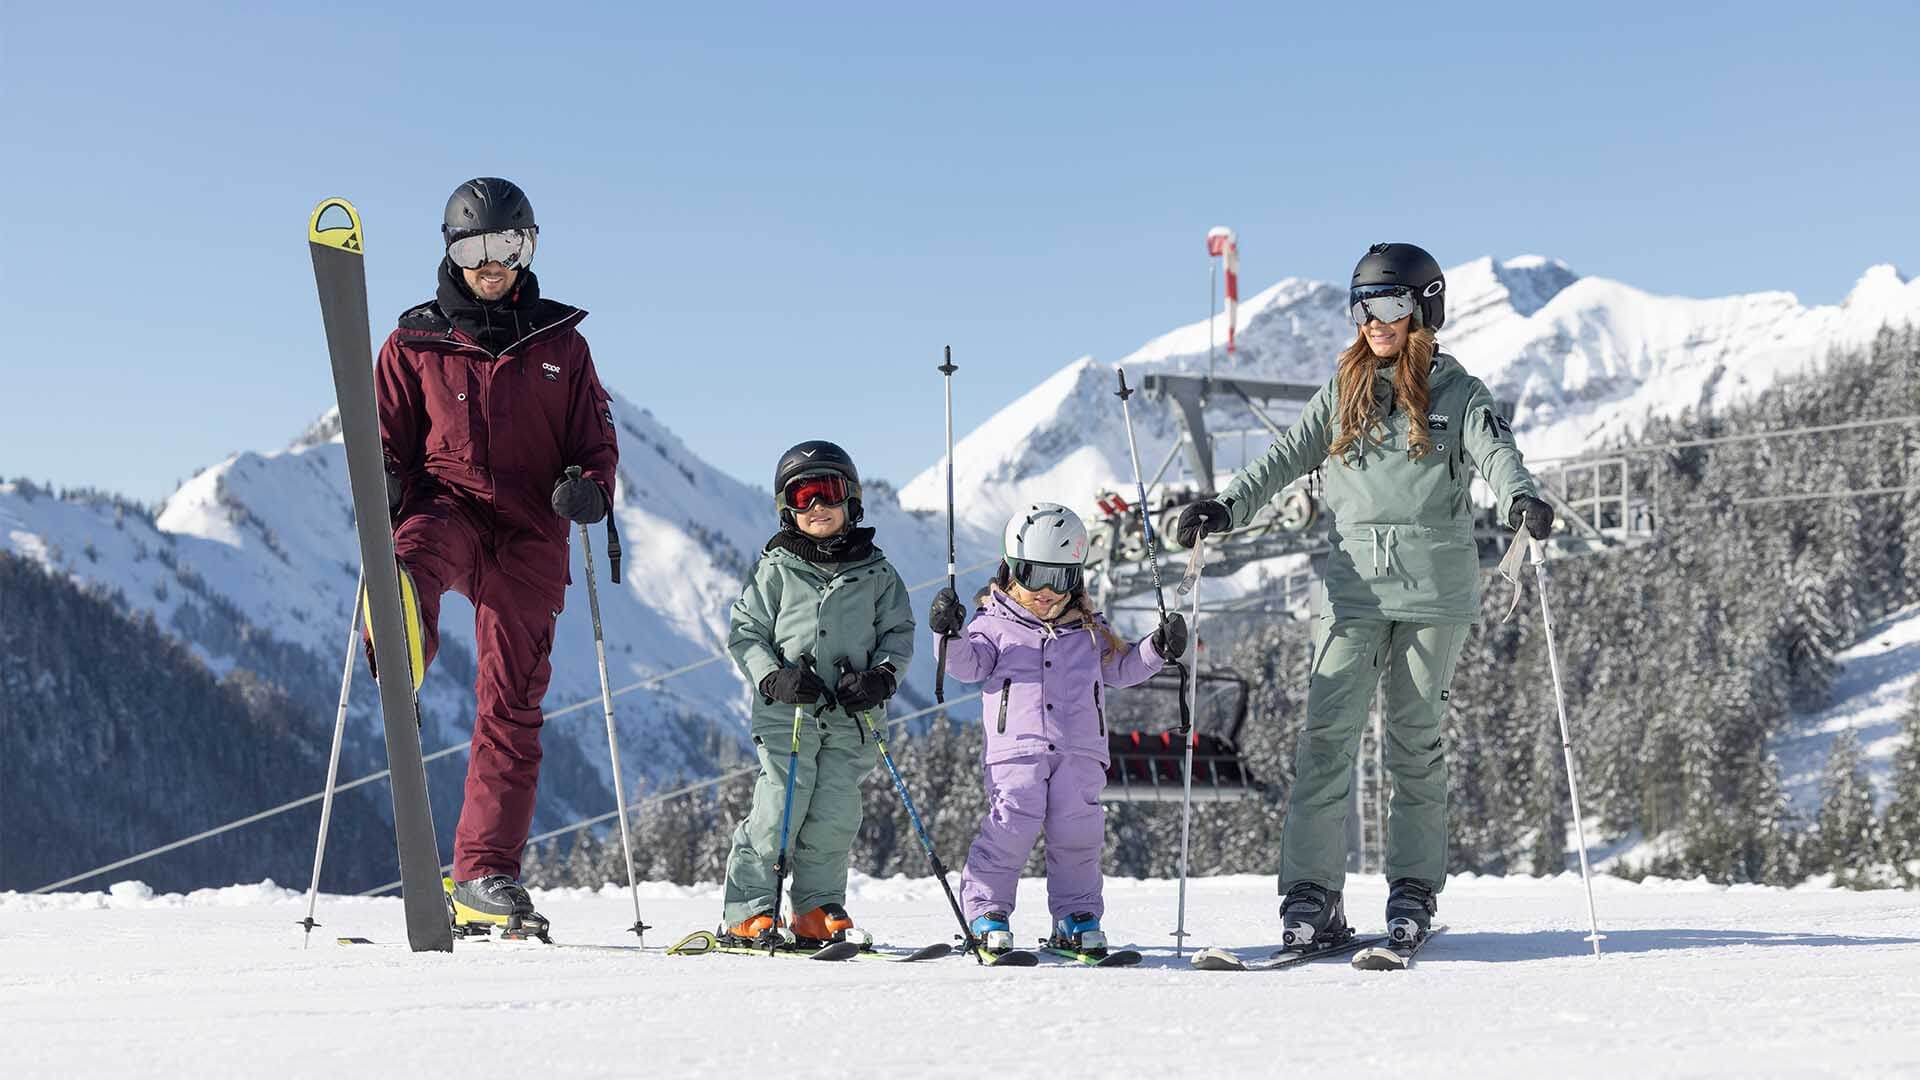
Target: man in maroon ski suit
487, 395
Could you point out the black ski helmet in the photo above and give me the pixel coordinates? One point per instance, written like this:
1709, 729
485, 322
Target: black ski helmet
812, 458
1406, 264
486, 204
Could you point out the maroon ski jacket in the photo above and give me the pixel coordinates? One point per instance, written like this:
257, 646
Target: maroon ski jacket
498, 431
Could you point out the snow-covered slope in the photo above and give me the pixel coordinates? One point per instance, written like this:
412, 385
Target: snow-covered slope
1583, 359
1697, 980
1870, 697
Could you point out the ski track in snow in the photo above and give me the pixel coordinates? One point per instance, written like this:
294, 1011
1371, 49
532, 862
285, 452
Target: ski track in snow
1698, 980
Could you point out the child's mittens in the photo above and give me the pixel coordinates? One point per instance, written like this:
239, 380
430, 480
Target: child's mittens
1170, 640
795, 686
859, 691
946, 616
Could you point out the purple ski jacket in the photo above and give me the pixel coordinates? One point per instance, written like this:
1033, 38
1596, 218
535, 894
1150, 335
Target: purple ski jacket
1045, 683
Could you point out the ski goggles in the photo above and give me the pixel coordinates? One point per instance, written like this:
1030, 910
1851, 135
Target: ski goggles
802, 492
511, 248
1388, 303
1034, 576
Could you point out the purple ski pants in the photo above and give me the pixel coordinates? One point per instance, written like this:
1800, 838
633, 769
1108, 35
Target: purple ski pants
1058, 794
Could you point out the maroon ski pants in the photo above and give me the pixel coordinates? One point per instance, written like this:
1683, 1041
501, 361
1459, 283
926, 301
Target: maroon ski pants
444, 546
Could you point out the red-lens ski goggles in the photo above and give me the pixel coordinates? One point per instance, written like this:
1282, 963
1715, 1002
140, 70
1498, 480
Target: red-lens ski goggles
804, 491
511, 248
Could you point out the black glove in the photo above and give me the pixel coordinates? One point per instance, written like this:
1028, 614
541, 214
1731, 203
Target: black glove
1208, 514
394, 493
859, 691
1531, 514
946, 616
793, 685
1170, 640
579, 499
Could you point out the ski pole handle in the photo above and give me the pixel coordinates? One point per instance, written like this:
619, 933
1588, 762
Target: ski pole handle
940, 671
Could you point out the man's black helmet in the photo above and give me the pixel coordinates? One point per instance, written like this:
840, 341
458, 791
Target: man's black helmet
1405, 264
486, 204
812, 458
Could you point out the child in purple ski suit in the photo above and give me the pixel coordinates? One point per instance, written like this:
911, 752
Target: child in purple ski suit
1046, 658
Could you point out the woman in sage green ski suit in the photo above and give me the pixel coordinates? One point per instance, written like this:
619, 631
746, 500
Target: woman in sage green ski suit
822, 627
1397, 428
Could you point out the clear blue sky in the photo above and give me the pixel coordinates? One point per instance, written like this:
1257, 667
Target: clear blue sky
778, 214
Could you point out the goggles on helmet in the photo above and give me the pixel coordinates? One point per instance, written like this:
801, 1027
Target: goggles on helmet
1388, 303
803, 491
511, 248
1034, 576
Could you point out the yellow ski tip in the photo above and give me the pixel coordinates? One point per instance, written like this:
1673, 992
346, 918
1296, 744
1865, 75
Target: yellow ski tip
335, 224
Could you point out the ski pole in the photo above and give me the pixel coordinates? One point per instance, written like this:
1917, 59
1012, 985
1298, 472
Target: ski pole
940, 659
939, 869
1189, 585
1153, 543
639, 927
1566, 741
786, 817
333, 759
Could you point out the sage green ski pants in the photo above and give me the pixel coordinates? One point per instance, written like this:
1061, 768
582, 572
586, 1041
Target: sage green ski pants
834, 759
1350, 657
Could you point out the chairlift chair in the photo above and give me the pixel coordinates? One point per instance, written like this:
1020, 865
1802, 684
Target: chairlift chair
1145, 761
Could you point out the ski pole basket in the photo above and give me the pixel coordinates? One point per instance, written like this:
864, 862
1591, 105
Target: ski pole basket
1145, 756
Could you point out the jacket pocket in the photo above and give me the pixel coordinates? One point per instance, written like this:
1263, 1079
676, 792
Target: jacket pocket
451, 394
1099, 712
1006, 693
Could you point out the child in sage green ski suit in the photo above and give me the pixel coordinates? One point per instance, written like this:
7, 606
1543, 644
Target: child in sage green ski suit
1402, 580
820, 594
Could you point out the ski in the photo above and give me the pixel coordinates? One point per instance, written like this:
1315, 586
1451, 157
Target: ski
536, 944
1007, 958
1215, 959
893, 955
1115, 959
1393, 956
702, 942
335, 238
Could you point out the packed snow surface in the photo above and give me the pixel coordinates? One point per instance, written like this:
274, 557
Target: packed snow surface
1697, 980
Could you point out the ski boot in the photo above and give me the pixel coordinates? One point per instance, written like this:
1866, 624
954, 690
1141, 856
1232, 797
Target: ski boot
993, 932
1079, 932
495, 901
1313, 917
1410, 908
757, 931
826, 924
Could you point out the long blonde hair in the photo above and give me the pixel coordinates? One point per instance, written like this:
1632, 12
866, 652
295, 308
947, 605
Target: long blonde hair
1079, 603
1355, 407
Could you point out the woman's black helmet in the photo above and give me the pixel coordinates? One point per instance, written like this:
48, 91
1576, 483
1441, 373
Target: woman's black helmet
1409, 266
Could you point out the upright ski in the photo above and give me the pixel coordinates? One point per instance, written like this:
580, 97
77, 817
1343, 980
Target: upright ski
339, 271
1393, 955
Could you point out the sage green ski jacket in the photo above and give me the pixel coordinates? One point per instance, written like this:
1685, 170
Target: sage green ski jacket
1402, 532
792, 607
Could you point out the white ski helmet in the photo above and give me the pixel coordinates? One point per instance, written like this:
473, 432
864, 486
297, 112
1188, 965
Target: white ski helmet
1045, 533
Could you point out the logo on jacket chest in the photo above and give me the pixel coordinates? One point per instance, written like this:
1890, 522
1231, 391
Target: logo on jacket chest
550, 372
1436, 421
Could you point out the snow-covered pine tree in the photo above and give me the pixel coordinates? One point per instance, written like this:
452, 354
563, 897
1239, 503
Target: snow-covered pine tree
1846, 842
1900, 826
